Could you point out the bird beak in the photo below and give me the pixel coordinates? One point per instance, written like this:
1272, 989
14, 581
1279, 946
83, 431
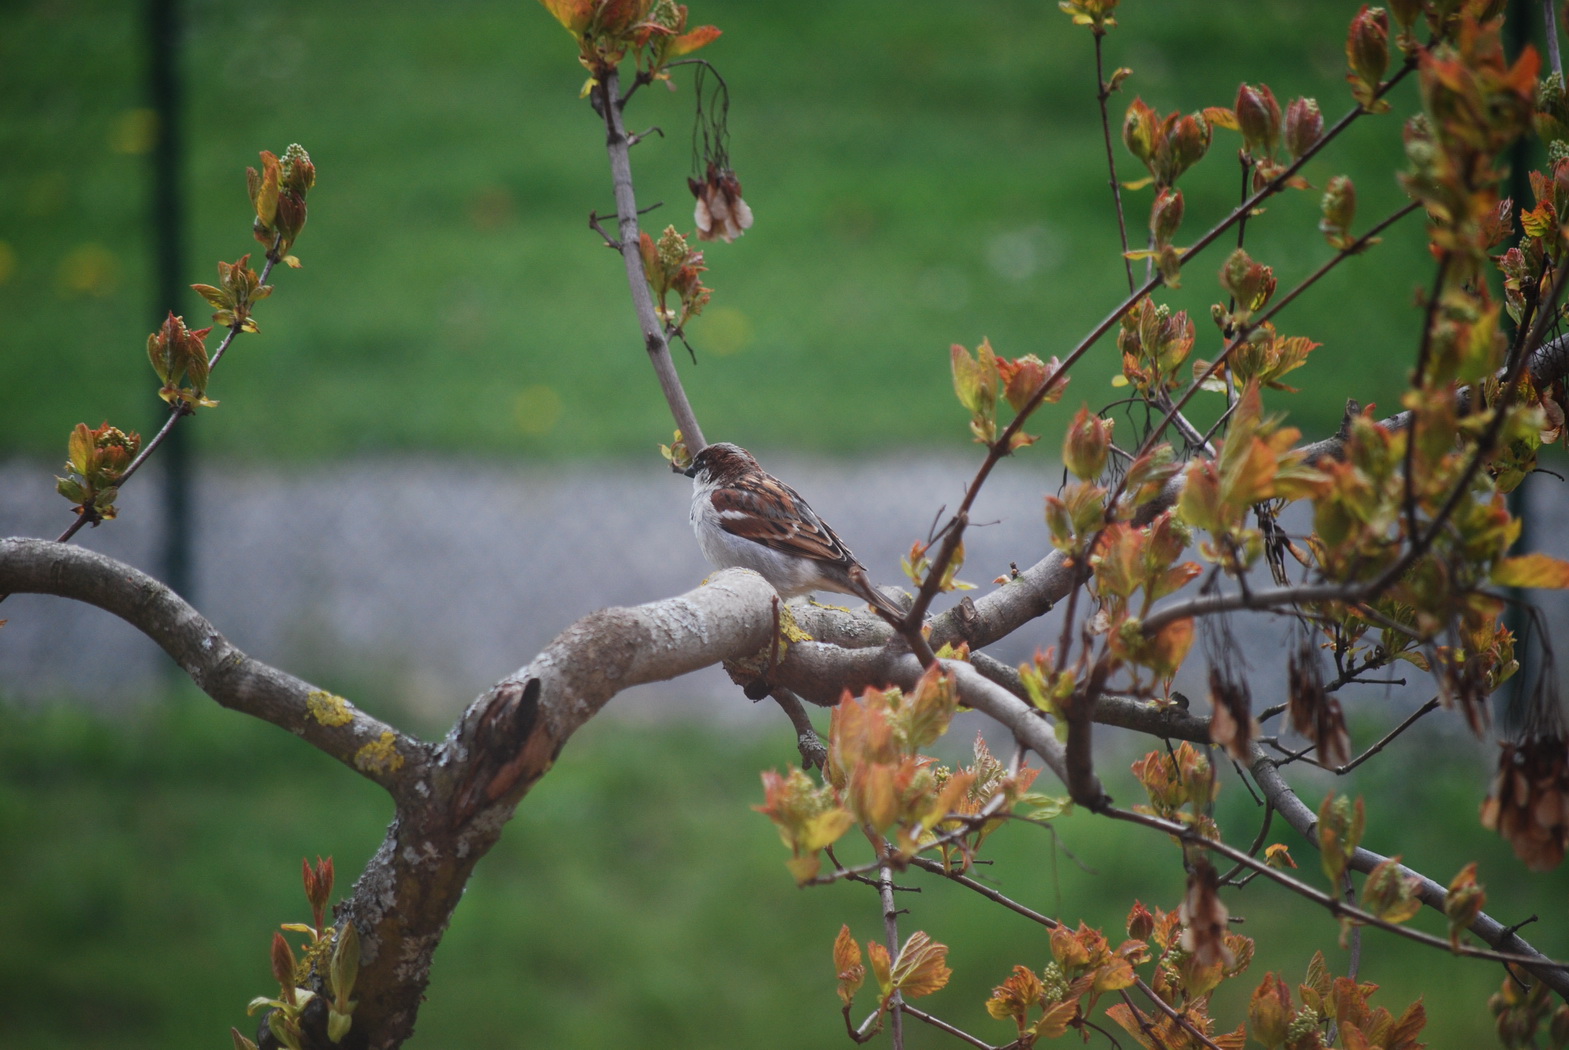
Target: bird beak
691, 471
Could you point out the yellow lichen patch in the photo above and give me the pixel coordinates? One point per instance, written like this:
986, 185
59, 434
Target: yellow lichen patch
788, 628
379, 756
328, 709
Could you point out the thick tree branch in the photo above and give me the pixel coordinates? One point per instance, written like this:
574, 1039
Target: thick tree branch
329, 723
452, 798
500, 747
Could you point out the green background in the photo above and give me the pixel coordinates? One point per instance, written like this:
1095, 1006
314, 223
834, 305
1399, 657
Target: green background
922, 173
635, 899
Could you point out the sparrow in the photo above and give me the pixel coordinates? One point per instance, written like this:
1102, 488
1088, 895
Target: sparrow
745, 518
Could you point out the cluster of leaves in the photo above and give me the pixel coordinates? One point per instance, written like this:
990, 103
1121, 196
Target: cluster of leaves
1278, 1024
99, 460
1085, 967
238, 287
96, 460
920, 968
1520, 1009
329, 961
1023, 382
1181, 785
278, 194
653, 31
179, 355
1405, 519
877, 779
671, 265
1154, 343
1125, 560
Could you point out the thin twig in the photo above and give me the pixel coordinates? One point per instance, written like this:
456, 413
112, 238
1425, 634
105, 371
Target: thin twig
176, 411
944, 1026
1103, 95
1431, 705
617, 146
891, 930
911, 628
1331, 903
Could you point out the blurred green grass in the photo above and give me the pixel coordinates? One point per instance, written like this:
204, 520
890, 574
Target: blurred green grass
635, 896
921, 175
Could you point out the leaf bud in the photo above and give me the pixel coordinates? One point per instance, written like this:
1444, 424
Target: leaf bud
1304, 126
1084, 449
1250, 283
1258, 115
1339, 209
1269, 1011
1367, 48
1138, 131
1166, 215
1140, 922
1189, 142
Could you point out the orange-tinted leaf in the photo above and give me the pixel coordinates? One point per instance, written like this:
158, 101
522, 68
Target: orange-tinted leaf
1014, 997
848, 965
882, 969
1056, 1020
1118, 973
688, 42
1131, 1023
1221, 117
1278, 856
1269, 1011
1532, 570
266, 198
922, 966
1402, 1035
1463, 902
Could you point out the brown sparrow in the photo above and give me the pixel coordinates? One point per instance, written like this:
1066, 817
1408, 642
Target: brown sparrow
745, 518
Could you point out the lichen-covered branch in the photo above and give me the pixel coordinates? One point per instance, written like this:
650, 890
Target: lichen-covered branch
452, 798
330, 723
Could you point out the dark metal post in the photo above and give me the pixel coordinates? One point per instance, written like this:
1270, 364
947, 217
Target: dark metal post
1511, 704
169, 276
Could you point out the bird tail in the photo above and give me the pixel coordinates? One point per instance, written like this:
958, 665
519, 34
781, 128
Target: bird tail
880, 601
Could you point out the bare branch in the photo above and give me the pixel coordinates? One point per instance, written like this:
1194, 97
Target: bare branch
618, 145
329, 723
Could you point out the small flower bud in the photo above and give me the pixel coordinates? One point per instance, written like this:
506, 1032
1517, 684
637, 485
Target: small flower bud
1140, 922
299, 174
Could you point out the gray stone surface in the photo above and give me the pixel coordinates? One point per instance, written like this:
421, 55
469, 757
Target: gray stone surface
428, 580
417, 584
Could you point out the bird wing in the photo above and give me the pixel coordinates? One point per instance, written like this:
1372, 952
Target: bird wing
743, 510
